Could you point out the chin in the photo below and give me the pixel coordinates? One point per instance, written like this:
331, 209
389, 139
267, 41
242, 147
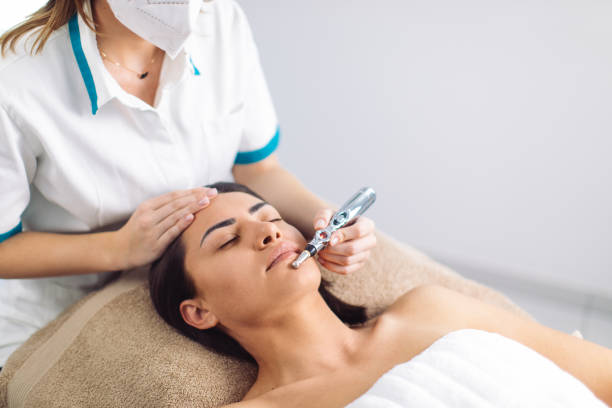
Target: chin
309, 273
305, 279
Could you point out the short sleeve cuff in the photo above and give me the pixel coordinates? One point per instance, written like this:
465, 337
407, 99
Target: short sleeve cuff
14, 231
257, 155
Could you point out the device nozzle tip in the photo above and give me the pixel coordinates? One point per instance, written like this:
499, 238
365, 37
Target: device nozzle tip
303, 256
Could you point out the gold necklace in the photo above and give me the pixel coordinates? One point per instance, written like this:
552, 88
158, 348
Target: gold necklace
141, 75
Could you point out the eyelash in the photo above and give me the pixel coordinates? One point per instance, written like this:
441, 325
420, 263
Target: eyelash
228, 242
236, 237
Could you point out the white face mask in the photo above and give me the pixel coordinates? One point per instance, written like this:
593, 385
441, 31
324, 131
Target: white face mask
164, 23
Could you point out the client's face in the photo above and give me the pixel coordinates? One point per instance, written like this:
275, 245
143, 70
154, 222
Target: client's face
238, 252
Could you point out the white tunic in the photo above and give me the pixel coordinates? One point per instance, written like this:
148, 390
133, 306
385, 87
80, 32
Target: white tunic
78, 153
476, 369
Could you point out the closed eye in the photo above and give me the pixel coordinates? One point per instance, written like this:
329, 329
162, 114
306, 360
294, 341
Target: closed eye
236, 237
229, 242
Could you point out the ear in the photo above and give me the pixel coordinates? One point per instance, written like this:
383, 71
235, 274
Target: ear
196, 314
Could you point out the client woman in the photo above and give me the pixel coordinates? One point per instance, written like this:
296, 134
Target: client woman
227, 283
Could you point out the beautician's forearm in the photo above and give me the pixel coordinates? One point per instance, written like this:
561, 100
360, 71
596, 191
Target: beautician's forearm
283, 190
37, 254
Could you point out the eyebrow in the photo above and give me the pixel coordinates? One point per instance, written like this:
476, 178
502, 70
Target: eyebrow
225, 223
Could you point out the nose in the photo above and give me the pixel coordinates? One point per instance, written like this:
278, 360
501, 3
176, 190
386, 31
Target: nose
268, 233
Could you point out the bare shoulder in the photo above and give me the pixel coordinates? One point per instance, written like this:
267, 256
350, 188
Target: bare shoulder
428, 312
448, 310
423, 293
434, 300
417, 319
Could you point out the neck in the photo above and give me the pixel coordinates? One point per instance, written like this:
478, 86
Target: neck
307, 340
117, 40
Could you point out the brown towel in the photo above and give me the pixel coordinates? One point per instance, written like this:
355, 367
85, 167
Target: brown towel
111, 349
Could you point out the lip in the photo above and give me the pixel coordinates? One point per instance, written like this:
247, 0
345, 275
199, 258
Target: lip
282, 250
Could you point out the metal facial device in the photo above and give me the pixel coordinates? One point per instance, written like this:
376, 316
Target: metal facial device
353, 208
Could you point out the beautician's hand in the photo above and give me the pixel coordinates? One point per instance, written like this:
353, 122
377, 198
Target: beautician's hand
156, 223
349, 247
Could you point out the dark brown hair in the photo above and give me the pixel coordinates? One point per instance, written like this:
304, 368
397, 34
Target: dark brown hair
169, 285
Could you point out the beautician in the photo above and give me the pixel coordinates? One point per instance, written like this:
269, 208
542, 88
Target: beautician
125, 122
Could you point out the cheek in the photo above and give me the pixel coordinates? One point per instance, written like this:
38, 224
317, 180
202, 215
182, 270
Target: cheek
225, 278
231, 282
291, 233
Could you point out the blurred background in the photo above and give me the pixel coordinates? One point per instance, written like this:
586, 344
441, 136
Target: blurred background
484, 126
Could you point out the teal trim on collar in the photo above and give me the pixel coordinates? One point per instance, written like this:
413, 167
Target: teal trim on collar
14, 231
260, 154
196, 71
77, 49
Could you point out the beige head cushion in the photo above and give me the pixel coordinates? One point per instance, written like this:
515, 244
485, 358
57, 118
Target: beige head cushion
111, 349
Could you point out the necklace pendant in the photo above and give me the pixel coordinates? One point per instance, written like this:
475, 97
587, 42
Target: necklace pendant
143, 75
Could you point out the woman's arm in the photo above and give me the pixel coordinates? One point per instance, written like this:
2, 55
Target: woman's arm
154, 224
39, 255
589, 362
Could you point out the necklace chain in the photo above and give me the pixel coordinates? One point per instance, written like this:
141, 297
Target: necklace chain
141, 75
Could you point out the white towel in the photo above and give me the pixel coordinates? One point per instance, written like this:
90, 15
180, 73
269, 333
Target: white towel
473, 368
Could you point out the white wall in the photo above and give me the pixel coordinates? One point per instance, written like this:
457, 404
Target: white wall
484, 126
13, 12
